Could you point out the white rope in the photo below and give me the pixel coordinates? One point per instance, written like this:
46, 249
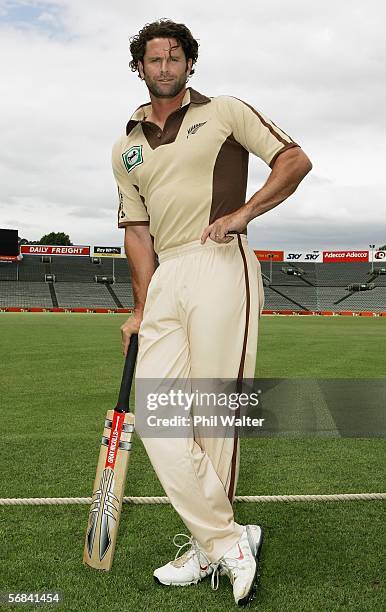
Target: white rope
62, 501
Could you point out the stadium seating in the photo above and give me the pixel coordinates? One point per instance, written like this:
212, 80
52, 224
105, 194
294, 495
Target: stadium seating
379, 280
297, 298
278, 301
279, 277
8, 272
32, 269
121, 271
78, 295
374, 301
124, 292
81, 269
25, 294
318, 287
341, 274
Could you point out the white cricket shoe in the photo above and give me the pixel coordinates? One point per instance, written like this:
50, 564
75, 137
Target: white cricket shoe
240, 564
189, 568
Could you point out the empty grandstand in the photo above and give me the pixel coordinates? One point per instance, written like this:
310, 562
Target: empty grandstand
69, 282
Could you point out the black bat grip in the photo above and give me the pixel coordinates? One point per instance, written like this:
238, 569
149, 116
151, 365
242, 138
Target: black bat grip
127, 376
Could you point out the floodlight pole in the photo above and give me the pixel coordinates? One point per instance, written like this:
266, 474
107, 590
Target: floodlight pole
372, 246
271, 256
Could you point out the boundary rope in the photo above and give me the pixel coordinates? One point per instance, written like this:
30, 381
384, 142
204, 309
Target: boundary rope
62, 501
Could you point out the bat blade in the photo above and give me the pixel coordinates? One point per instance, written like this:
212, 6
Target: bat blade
106, 505
108, 493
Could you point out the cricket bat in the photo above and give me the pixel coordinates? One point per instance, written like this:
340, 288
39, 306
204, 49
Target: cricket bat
111, 473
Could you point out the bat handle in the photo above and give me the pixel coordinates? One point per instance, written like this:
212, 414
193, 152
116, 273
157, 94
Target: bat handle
127, 376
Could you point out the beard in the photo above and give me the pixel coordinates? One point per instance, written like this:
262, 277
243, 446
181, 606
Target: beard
166, 90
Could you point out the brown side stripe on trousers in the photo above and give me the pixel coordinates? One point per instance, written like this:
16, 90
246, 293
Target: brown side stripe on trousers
241, 368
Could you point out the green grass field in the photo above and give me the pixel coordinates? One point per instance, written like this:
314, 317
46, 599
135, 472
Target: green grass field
59, 375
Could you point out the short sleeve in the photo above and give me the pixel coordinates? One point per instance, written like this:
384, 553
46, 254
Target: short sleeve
132, 210
255, 132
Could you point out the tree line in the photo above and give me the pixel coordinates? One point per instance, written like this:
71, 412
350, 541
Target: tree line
57, 238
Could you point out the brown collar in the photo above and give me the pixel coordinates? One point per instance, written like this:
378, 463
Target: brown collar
197, 98
191, 97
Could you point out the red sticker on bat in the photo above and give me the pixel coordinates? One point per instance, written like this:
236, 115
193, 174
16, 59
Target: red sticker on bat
115, 436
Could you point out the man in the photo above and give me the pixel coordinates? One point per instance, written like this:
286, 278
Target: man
181, 170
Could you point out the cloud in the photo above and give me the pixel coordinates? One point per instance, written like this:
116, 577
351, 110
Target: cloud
67, 93
328, 215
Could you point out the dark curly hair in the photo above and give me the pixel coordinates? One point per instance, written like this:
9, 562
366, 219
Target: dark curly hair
163, 28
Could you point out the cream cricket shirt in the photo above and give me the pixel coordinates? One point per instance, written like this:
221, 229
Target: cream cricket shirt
194, 171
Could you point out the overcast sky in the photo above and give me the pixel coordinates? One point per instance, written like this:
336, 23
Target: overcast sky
317, 69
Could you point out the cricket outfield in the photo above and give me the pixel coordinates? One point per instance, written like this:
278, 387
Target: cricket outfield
59, 375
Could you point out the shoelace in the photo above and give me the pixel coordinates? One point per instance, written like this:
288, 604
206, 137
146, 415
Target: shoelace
227, 566
180, 559
215, 580
189, 542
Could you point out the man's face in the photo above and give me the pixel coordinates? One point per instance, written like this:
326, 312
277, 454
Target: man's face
164, 67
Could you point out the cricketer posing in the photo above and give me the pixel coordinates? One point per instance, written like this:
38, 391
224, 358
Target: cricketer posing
181, 170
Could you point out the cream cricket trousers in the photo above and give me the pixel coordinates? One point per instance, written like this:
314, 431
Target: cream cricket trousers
201, 321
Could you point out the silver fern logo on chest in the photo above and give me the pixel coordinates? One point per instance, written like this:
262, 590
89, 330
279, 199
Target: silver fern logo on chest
194, 128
